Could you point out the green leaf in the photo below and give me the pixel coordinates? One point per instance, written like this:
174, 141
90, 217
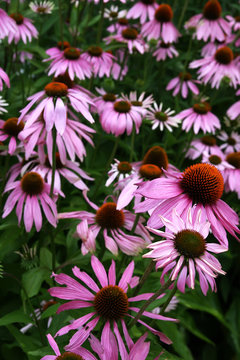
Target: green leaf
15, 316
25, 342
197, 301
179, 344
233, 317
188, 322
32, 280
50, 311
45, 258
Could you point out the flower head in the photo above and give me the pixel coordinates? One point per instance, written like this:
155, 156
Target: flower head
109, 302
7, 25
205, 144
231, 142
183, 83
165, 50
161, 25
114, 225
199, 117
210, 24
10, 129
24, 29
101, 61
200, 184
186, 251
160, 118
27, 193
42, 7
214, 68
143, 9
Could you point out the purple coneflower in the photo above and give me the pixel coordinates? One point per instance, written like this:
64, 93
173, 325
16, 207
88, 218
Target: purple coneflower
210, 24
218, 160
161, 26
24, 29
118, 117
72, 61
200, 184
132, 38
234, 110
214, 68
199, 117
7, 25
115, 226
10, 129
120, 170
186, 251
100, 60
79, 354
143, 9
42, 7
109, 302
183, 82
231, 142
53, 106
232, 176
27, 193
165, 50
4, 78
205, 144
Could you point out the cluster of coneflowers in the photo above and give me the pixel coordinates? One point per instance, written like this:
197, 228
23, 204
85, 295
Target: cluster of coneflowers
182, 207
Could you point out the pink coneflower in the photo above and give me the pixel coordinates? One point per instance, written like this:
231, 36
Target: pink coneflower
57, 50
70, 60
109, 302
199, 117
105, 99
165, 50
70, 171
120, 116
143, 9
115, 226
151, 167
120, 170
161, 26
4, 78
162, 119
119, 71
101, 61
234, 110
10, 129
214, 68
234, 22
210, 24
218, 160
137, 351
200, 184
54, 107
79, 354
232, 176
121, 24
68, 144
27, 194
132, 38
42, 7
210, 48
25, 30
186, 251
183, 82
205, 144
231, 142
7, 25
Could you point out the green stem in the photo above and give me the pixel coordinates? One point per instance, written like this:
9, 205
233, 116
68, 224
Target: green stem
60, 21
188, 53
144, 277
81, 8
53, 250
107, 166
132, 144
171, 295
149, 301
184, 8
135, 223
30, 305
100, 24
54, 135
